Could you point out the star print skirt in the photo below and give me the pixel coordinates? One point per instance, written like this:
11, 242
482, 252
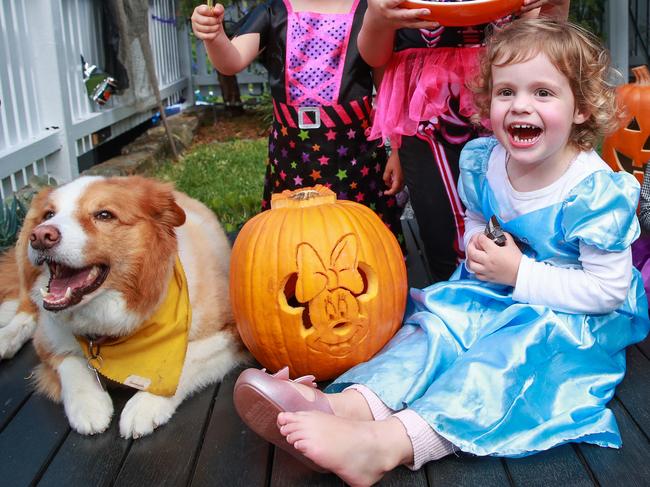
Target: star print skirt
329, 146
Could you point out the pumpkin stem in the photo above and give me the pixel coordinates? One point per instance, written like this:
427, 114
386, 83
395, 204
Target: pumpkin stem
305, 194
641, 75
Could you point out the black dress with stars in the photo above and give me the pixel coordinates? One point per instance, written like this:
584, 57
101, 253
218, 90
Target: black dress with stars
322, 94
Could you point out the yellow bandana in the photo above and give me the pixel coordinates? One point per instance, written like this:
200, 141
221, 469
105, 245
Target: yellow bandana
152, 358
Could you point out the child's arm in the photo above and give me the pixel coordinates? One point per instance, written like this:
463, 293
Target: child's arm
228, 57
393, 175
600, 286
381, 20
474, 225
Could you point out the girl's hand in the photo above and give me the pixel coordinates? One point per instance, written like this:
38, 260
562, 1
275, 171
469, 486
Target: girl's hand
387, 12
493, 263
558, 9
207, 23
393, 176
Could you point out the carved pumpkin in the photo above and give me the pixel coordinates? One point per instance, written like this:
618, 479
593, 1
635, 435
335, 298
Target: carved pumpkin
474, 12
629, 147
316, 284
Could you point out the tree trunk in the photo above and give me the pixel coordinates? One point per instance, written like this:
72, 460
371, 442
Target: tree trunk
231, 94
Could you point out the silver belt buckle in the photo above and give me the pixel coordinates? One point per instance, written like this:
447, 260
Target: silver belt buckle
303, 120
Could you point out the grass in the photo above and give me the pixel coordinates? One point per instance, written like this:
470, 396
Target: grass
226, 176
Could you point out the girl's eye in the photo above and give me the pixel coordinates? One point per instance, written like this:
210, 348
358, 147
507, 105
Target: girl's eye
104, 215
505, 92
543, 93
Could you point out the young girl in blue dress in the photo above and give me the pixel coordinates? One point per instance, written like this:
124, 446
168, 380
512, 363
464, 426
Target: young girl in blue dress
522, 349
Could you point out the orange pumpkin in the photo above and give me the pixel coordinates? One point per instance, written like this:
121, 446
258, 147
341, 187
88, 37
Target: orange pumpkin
628, 148
316, 283
474, 12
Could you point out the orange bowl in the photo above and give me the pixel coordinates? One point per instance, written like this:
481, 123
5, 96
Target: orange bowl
457, 14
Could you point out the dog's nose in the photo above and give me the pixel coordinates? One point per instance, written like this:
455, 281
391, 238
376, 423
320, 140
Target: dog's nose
44, 237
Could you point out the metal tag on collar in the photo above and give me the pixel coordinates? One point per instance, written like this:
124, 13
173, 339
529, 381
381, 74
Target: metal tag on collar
94, 354
305, 116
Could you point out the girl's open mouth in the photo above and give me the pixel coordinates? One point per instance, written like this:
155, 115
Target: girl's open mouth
524, 135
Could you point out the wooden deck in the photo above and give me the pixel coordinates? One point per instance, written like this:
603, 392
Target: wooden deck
205, 443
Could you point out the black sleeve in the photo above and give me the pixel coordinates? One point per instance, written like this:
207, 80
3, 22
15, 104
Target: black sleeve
257, 21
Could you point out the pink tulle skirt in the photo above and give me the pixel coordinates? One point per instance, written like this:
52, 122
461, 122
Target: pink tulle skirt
418, 84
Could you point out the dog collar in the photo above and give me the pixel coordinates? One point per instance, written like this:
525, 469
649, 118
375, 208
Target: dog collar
152, 358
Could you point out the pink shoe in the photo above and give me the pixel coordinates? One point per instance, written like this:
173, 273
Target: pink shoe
259, 397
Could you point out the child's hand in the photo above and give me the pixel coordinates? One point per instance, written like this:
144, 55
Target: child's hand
558, 9
493, 263
207, 23
388, 12
393, 176
533, 4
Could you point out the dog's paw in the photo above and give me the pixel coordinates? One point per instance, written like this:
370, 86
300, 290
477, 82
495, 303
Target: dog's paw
14, 335
144, 412
89, 412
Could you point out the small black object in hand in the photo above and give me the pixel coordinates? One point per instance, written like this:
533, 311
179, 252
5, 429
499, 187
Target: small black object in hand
494, 232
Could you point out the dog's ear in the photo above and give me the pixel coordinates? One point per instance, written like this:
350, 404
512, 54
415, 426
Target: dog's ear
34, 214
172, 214
162, 203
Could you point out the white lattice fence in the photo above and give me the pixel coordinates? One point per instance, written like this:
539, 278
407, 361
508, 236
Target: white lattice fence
46, 117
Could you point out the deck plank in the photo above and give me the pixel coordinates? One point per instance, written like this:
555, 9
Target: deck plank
30, 439
232, 455
403, 477
628, 466
90, 460
634, 391
168, 456
466, 470
558, 466
14, 385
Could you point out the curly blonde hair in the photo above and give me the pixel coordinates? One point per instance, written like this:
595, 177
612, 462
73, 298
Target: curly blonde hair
575, 52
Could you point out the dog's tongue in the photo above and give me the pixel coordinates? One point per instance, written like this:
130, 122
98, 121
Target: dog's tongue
68, 278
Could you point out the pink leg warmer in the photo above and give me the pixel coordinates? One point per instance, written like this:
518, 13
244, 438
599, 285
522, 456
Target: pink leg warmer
427, 444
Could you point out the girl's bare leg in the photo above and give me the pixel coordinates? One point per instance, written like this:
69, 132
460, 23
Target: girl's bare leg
360, 452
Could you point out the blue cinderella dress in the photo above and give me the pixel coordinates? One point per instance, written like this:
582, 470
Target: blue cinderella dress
499, 377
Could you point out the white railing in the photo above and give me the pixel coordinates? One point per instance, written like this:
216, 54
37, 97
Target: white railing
46, 118
252, 80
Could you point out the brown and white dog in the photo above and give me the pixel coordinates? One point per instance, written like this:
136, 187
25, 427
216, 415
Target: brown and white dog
126, 279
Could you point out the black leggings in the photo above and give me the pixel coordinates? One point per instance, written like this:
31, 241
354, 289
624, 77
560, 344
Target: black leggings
431, 174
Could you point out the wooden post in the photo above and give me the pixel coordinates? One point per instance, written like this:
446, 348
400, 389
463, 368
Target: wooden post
618, 32
51, 84
185, 53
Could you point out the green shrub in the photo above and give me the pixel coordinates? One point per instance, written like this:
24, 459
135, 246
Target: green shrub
11, 218
226, 176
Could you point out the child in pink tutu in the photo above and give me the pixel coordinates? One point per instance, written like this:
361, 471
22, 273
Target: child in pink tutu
426, 111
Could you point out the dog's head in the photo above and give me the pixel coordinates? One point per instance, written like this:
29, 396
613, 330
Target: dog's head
97, 234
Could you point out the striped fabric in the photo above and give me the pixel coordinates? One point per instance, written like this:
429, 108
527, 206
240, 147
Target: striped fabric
331, 115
